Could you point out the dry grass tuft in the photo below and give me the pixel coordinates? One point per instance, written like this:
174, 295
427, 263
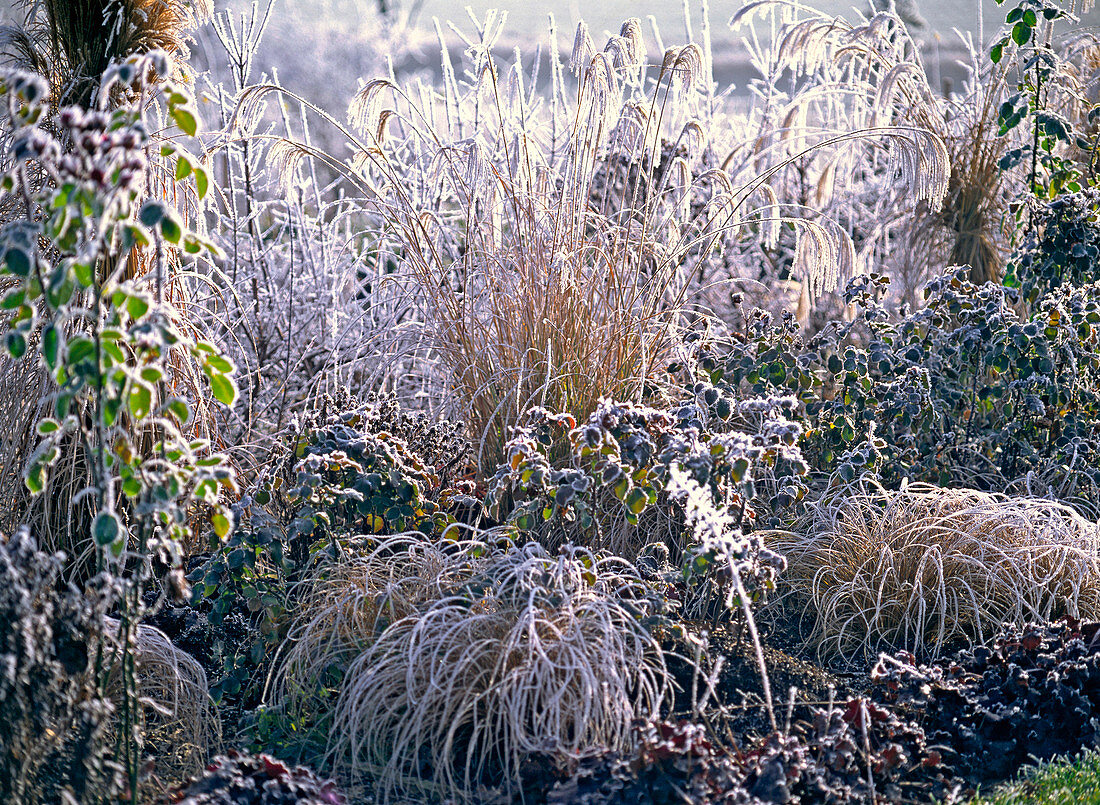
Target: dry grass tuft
925, 567
459, 659
180, 726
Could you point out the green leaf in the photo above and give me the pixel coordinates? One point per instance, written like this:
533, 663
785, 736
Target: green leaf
17, 344
202, 182
739, 469
136, 307
171, 229
13, 300
141, 400
35, 479
107, 528
51, 346
80, 349
997, 52
183, 168
152, 213
61, 289
1021, 33
178, 408
221, 524
186, 120
47, 426
724, 409
18, 262
636, 501
130, 235
111, 349
83, 273
110, 409
220, 364
223, 388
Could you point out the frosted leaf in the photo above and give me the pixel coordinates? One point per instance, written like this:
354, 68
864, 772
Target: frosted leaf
630, 130
599, 81
888, 86
693, 137
773, 223
475, 167
793, 130
720, 179
826, 182
284, 157
824, 256
682, 184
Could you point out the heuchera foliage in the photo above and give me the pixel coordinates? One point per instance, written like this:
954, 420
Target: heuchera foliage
854, 751
1033, 693
242, 779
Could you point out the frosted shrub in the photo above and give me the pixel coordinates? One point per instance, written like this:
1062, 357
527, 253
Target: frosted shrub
114, 350
47, 635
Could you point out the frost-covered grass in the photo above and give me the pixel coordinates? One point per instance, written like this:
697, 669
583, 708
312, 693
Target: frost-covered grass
472, 657
536, 233
926, 568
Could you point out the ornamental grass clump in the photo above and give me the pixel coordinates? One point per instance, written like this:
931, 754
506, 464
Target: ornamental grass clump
539, 242
178, 720
461, 658
924, 568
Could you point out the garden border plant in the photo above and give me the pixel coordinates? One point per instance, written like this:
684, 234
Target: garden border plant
110, 346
